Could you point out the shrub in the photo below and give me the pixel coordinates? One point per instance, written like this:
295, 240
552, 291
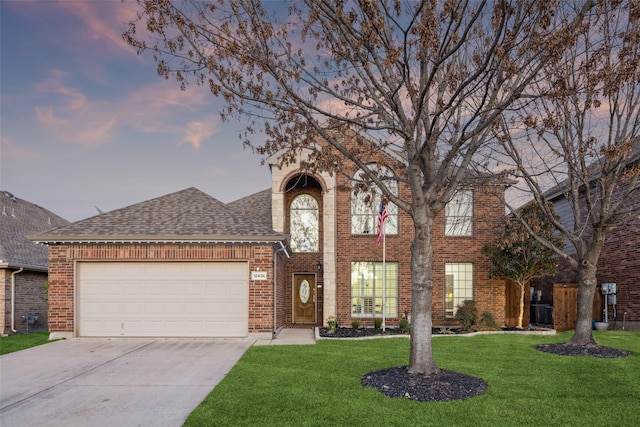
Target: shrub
404, 325
332, 324
487, 322
467, 314
355, 324
377, 323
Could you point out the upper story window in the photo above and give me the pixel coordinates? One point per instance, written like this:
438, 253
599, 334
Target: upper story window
459, 214
304, 217
365, 206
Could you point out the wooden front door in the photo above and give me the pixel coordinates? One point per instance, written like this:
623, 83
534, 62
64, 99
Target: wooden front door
304, 298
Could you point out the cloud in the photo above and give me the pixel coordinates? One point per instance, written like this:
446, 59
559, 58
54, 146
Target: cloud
76, 117
75, 100
102, 21
197, 131
70, 116
11, 151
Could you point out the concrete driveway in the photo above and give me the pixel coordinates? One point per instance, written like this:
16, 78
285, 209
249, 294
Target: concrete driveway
112, 382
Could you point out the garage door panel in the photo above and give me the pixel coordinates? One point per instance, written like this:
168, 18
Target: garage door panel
159, 299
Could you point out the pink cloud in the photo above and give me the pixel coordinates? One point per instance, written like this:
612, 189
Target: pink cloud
104, 21
70, 116
74, 99
75, 117
14, 152
196, 131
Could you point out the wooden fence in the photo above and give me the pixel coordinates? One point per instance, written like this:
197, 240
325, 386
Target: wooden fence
512, 305
565, 306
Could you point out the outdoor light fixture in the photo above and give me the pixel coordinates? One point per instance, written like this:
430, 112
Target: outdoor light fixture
319, 267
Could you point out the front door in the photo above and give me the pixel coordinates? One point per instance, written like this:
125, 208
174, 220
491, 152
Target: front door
304, 298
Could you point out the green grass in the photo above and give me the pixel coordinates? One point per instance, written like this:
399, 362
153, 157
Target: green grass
320, 385
22, 341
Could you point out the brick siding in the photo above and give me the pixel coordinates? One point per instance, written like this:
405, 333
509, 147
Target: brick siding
30, 298
61, 274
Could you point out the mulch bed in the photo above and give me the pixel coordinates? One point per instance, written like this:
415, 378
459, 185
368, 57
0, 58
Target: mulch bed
593, 349
441, 387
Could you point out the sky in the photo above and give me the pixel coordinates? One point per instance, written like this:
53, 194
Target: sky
87, 124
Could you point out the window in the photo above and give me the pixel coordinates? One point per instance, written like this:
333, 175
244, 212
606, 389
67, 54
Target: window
459, 214
304, 224
367, 287
458, 285
365, 205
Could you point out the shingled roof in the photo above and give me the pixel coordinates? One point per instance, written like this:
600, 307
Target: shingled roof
19, 219
256, 207
185, 216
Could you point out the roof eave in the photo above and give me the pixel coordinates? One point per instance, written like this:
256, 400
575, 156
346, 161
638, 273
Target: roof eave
57, 240
28, 267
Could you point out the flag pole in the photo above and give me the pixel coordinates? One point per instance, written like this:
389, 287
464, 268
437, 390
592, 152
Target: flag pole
382, 217
384, 277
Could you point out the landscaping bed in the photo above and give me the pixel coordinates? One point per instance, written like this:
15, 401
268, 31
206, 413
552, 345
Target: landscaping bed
395, 331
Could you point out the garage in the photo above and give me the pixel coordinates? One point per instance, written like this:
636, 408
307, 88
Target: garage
162, 299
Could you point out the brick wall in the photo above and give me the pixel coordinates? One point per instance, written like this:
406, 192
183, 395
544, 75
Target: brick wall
488, 294
30, 298
61, 274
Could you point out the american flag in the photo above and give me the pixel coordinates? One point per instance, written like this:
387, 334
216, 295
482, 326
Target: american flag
382, 217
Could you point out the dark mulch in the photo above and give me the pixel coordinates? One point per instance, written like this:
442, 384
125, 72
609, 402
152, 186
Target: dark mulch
370, 332
594, 350
358, 333
441, 387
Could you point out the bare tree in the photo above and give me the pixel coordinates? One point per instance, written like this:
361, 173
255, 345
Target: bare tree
431, 77
581, 140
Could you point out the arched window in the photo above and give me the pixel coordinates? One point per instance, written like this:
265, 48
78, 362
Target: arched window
365, 205
304, 221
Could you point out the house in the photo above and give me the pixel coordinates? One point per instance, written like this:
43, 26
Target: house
294, 255
619, 260
23, 264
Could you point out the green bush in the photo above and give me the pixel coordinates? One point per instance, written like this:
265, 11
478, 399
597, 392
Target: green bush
377, 323
487, 322
332, 324
355, 324
404, 325
467, 314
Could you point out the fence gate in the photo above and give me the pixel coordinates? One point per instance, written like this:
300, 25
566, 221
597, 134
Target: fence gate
565, 306
512, 305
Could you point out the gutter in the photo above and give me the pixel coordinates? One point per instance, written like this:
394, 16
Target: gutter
147, 239
13, 299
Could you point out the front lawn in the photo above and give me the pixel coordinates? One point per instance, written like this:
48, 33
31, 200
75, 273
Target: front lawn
19, 342
319, 385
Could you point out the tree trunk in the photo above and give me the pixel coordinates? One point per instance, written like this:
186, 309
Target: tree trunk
521, 311
586, 290
421, 352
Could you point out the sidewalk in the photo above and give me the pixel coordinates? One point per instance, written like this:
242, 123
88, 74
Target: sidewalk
290, 336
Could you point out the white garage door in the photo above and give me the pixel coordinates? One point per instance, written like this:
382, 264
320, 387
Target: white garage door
162, 299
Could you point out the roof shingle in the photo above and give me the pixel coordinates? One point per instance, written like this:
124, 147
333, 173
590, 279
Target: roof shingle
19, 219
187, 215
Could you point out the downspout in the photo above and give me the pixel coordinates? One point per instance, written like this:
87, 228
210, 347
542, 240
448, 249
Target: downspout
275, 287
13, 299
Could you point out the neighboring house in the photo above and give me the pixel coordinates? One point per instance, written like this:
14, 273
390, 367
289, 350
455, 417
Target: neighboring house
186, 264
619, 261
23, 264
